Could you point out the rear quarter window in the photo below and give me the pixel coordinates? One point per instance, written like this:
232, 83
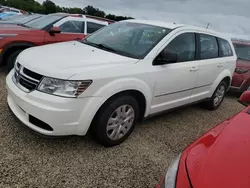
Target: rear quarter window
224, 48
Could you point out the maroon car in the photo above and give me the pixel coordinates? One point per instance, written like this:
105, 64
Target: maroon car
241, 77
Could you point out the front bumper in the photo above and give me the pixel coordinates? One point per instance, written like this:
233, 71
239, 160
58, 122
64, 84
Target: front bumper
63, 116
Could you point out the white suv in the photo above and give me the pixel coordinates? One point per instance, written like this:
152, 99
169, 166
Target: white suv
124, 72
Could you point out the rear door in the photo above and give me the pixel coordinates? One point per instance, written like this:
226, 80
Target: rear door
209, 66
72, 28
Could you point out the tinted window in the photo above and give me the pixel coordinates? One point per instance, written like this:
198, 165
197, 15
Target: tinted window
208, 47
72, 27
92, 27
184, 46
225, 48
242, 51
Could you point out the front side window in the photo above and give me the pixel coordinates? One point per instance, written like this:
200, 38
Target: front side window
72, 26
225, 48
44, 21
242, 51
92, 27
208, 47
184, 46
130, 39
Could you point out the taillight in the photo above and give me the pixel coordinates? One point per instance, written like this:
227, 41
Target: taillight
241, 70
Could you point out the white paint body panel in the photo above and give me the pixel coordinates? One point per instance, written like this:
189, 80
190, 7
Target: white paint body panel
164, 87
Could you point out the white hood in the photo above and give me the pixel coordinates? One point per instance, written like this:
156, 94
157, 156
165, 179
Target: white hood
62, 60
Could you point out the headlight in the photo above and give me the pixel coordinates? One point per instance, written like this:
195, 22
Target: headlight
64, 88
170, 177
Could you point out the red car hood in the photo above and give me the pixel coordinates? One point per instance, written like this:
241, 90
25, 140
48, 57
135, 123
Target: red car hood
222, 160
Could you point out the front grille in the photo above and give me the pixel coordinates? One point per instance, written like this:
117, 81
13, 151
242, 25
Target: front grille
26, 79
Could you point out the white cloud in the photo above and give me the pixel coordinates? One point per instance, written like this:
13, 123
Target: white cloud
227, 16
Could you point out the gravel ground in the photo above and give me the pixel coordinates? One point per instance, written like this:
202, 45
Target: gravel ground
27, 160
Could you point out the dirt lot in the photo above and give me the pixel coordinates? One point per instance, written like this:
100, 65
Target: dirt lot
27, 160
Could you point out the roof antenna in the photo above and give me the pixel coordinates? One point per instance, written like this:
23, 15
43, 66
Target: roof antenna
207, 25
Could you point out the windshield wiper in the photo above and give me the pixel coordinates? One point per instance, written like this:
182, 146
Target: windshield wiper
101, 46
104, 46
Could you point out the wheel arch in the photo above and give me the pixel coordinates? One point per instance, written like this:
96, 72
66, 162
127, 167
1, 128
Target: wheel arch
224, 76
133, 87
14, 47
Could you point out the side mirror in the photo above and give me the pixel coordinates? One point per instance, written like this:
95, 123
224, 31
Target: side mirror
167, 57
245, 98
54, 30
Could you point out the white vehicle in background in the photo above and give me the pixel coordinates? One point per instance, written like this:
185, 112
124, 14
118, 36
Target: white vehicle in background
127, 71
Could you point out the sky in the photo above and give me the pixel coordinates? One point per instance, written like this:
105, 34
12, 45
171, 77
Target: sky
227, 16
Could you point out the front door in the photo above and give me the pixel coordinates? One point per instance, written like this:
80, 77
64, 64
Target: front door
174, 82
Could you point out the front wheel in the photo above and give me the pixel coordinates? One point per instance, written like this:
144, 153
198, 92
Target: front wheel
115, 120
12, 58
215, 101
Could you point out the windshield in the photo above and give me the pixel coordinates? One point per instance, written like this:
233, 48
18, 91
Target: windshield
44, 21
242, 51
130, 39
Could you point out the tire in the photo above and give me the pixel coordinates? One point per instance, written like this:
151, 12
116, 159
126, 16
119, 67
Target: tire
105, 134
217, 98
11, 59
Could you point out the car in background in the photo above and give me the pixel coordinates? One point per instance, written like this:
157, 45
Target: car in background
20, 19
241, 77
52, 28
5, 15
124, 72
218, 159
10, 9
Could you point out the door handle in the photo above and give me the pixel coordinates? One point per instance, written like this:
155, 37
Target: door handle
193, 68
220, 65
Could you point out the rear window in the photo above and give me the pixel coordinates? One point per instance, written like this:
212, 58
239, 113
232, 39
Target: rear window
242, 51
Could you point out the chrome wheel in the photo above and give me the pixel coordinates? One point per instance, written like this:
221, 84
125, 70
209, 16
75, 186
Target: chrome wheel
120, 122
219, 95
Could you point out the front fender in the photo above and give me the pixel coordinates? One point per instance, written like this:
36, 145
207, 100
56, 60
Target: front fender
125, 84
101, 95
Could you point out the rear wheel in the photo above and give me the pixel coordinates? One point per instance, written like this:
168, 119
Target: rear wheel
115, 120
12, 58
215, 101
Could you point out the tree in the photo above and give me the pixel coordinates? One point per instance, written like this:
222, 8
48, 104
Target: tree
90, 10
49, 7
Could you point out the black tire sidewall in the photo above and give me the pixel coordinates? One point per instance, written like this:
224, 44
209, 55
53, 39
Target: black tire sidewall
11, 59
102, 117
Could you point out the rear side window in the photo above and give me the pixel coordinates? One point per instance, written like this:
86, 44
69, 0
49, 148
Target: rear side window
92, 27
184, 46
72, 27
208, 47
224, 48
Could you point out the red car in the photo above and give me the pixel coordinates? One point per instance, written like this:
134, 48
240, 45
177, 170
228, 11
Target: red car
241, 77
218, 159
48, 29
